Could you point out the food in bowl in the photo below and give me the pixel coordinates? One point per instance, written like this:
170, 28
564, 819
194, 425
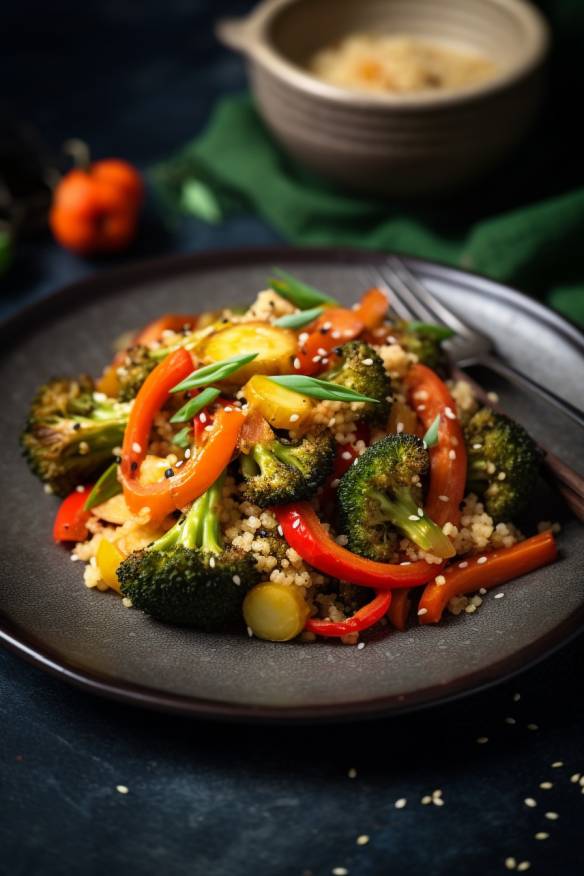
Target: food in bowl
400, 64
295, 467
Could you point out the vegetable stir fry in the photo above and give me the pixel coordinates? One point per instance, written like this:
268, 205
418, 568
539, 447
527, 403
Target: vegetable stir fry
296, 468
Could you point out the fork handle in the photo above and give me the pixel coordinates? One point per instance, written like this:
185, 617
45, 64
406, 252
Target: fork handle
524, 382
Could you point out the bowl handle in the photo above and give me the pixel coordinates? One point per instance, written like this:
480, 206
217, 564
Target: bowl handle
235, 33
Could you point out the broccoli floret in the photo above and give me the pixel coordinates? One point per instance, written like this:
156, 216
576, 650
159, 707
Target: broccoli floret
187, 576
424, 344
276, 473
71, 433
362, 369
137, 364
382, 493
503, 463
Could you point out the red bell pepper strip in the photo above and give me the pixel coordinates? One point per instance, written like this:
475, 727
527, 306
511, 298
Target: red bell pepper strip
399, 610
305, 533
372, 308
167, 322
501, 566
429, 396
334, 327
366, 617
70, 521
203, 467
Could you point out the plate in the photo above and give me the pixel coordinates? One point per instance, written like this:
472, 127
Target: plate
89, 639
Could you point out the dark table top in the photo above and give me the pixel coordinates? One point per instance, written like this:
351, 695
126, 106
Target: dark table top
137, 80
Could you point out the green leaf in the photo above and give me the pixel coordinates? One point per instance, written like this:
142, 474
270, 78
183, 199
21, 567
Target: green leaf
214, 372
298, 320
105, 488
194, 405
431, 436
183, 438
300, 294
320, 389
440, 332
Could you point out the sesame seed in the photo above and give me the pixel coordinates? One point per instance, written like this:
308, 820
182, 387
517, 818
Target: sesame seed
346, 455
335, 483
421, 408
203, 417
280, 531
481, 560
425, 800
122, 789
523, 865
236, 580
367, 361
297, 363
303, 337
406, 563
399, 804
399, 428
582, 781
420, 512
48, 489
493, 397
516, 697
294, 417
360, 646
422, 611
212, 562
552, 816
249, 631
208, 428
482, 590
321, 351
499, 595
463, 565
352, 773
530, 802
575, 778
316, 358
127, 602
335, 334
79, 488
452, 454
137, 448
444, 498
545, 786
413, 517
510, 721
501, 476
477, 446
542, 835
188, 453
532, 727
450, 413
362, 840
327, 326
557, 764
227, 408
440, 580
482, 740
510, 863
296, 523
340, 871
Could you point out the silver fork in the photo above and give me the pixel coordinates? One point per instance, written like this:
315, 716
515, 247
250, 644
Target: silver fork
411, 300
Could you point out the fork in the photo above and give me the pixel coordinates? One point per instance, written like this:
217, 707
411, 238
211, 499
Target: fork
412, 300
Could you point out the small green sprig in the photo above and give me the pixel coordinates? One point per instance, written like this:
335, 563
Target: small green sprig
431, 437
298, 320
440, 332
297, 292
321, 389
213, 373
106, 487
183, 438
194, 405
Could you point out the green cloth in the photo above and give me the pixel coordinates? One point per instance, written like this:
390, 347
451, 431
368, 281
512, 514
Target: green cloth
524, 225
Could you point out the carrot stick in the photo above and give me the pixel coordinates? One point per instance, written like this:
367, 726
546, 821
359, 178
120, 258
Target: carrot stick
499, 567
400, 608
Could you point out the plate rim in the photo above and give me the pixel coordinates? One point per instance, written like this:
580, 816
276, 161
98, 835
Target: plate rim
23, 644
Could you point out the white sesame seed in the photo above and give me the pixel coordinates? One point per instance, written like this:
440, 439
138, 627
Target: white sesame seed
48, 489
501, 476
399, 428
74, 558
342, 539
352, 773
360, 646
582, 781
523, 866
444, 498
482, 590
321, 351
227, 408
575, 778
127, 602
327, 326
294, 417
203, 417
510, 721
420, 512
450, 413
249, 631
297, 364
493, 397
499, 595
530, 802
438, 801
79, 488
280, 531
510, 863
316, 358
542, 835
336, 334
303, 337
179, 463
440, 580
477, 446
422, 611
532, 727
399, 804
426, 800
212, 562
367, 361
545, 786
413, 517
296, 523
481, 560
346, 455
137, 448
552, 816
340, 871
421, 408
405, 563
482, 740
452, 454
557, 764
188, 453
362, 840
463, 565
121, 789
208, 428
236, 580
516, 697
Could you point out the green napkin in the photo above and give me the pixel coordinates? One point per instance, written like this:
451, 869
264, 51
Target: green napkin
524, 225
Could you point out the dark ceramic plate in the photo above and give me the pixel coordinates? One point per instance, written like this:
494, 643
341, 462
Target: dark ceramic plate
89, 639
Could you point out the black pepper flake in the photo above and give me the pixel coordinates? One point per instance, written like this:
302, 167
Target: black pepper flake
324, 330
337, 351
169, 473
133, 466
76, 426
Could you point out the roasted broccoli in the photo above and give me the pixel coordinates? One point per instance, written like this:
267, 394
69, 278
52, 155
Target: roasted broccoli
360, 368
382, 493
424, 343
188, 576
276, 473
503, 463
133, 371
71, 433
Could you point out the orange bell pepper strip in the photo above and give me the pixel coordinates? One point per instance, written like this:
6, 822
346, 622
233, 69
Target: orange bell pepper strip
203, 467
71, 519
335, 326
372, 308
399, 609
174, 322
501, 566
305, 533
364, 618
428, 395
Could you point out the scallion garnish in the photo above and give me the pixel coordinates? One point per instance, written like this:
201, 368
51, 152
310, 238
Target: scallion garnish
440, 332
299, 293
298, 320
105, 488
431, 436
214, 372
321, 389
183, 438
194, 405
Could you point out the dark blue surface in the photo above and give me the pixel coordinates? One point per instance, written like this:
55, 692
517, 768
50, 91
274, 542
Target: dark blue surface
137, 80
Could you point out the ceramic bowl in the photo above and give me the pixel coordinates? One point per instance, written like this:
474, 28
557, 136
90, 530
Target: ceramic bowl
418, 144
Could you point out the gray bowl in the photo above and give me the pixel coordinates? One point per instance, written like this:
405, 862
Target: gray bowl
421, 144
